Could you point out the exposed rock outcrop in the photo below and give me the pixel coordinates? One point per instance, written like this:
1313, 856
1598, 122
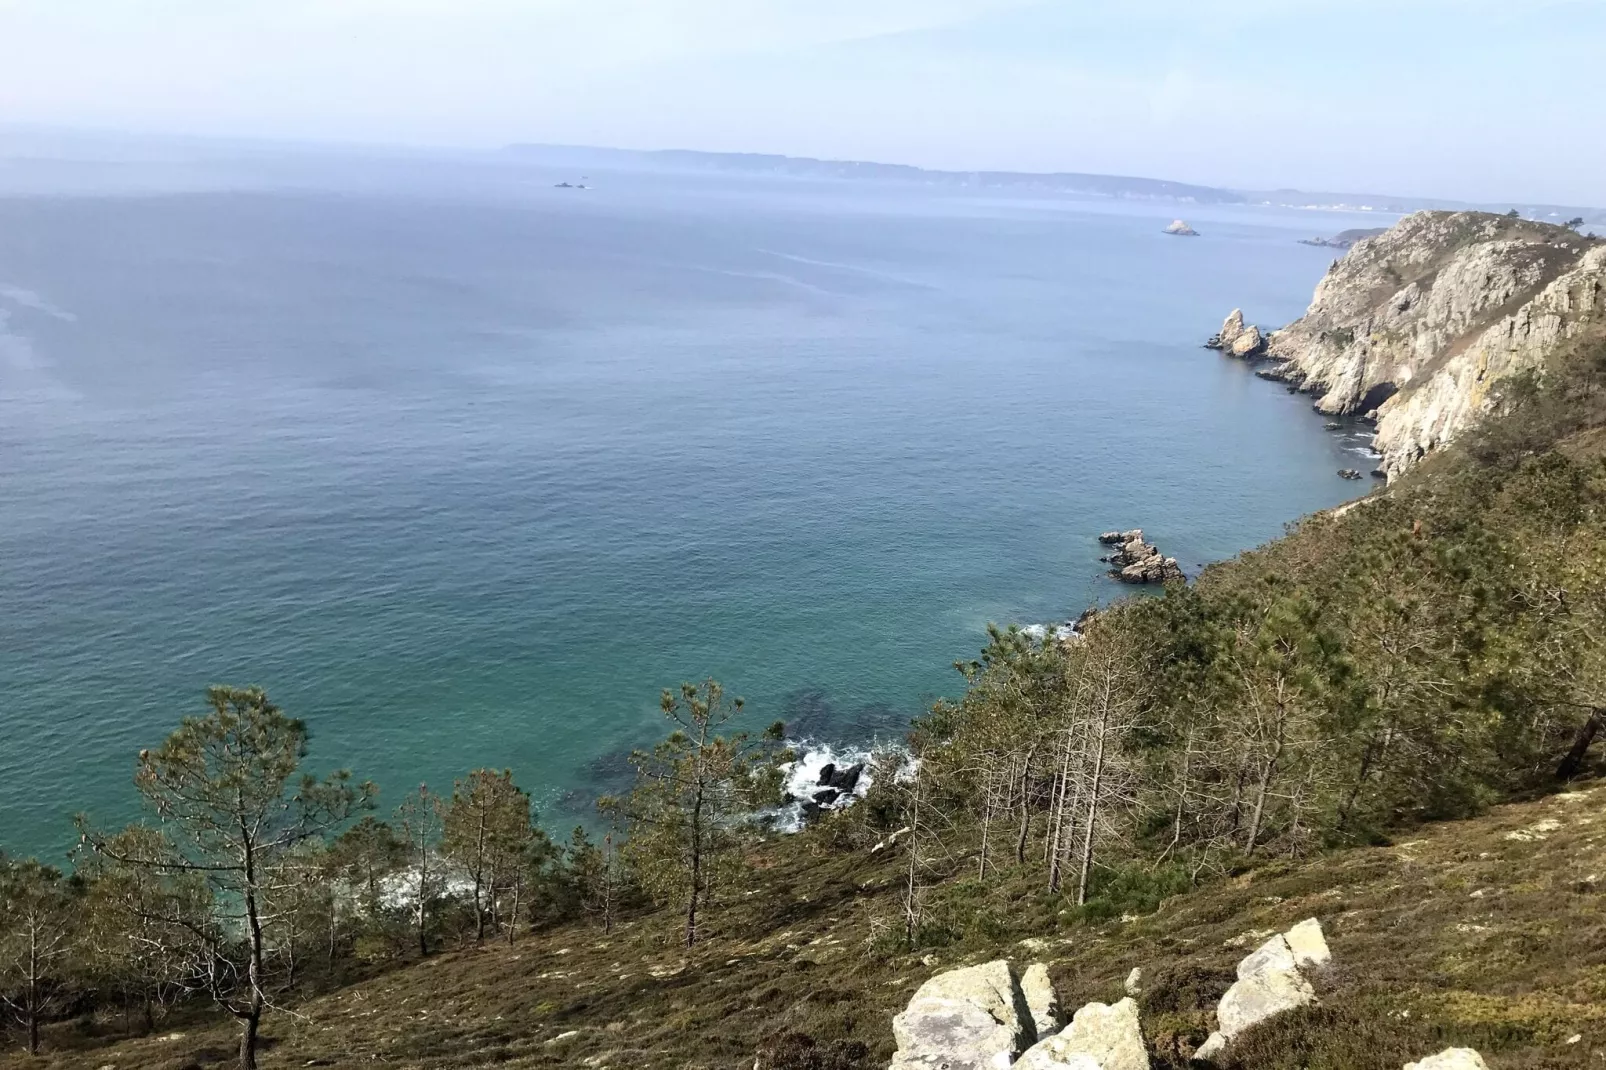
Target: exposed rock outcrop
1238, 339
1181, 229
1417, 326
1271, 980
1101, 1035
1450, 1059
1137, 561
973, 1018
1041, 1000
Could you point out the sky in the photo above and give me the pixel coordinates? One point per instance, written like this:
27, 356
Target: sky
1470, 99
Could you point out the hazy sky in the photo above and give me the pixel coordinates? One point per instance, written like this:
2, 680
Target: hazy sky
1458, 98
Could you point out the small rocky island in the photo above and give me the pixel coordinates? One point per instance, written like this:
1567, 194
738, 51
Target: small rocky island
1181, 229
1137, 561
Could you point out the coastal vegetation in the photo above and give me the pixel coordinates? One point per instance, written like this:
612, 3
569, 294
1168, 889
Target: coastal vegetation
1369, 716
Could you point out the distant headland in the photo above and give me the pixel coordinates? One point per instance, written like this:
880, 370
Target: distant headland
1119, 187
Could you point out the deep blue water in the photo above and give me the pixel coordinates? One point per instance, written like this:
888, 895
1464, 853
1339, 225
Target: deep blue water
464, 468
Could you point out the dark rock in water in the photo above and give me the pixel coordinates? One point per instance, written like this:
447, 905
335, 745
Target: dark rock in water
846, 780
1332, 425
1292, 388
1137, 561
812, 810
826, 774
1349, 473
827, 797
1378, 473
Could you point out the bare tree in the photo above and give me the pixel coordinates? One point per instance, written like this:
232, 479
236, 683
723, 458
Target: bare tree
420, 818
39, 913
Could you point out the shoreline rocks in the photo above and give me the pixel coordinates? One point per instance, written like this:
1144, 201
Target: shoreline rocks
1238, 339
1136, 561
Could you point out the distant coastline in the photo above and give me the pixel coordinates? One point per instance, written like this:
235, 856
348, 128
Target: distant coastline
1118, 187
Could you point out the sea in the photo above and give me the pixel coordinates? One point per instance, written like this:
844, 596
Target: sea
464, 468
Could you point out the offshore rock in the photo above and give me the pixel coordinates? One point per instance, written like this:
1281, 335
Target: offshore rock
1100, 1035
973, 1018
1138, 561
1181, 229
1251, 343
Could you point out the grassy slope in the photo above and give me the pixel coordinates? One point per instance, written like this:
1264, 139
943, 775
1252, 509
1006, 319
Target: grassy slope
1489, 933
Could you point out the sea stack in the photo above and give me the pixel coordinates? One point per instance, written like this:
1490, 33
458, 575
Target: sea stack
1135, 560
1181, 229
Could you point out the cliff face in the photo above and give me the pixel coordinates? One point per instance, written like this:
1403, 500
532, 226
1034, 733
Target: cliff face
1414, 326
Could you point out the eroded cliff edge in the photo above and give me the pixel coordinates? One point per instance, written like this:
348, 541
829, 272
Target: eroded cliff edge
1414, 327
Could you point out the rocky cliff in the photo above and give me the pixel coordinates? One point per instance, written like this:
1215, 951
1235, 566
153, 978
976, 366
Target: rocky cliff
1415, 326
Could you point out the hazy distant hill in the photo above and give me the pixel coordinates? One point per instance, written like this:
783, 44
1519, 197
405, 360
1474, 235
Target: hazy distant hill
805, 167
1115, 186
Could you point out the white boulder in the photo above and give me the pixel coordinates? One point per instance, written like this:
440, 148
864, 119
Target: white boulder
1450, 1059
973, 1018
1041, 1001
1101, 1035
1251, 1000
1308, 945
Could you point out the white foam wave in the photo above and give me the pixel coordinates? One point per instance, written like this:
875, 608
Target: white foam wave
803, 785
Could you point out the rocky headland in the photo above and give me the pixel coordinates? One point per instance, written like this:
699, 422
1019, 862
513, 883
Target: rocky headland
1416, 327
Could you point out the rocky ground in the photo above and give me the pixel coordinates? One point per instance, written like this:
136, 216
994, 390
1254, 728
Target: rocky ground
1487, 934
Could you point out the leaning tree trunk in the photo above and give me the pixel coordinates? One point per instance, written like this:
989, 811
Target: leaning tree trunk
1574, 762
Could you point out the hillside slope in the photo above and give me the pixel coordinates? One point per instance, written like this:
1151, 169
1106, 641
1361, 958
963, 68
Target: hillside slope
1489, 933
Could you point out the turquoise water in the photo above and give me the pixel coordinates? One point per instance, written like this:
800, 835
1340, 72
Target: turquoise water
464, 468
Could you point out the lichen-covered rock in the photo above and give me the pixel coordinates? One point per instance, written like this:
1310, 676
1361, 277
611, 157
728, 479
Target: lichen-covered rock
1041, 1001
1450, 1059
1308, 945
973, 1018
1421, 323
1255, 998
1107, 1035
1133, 986
1272, 956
